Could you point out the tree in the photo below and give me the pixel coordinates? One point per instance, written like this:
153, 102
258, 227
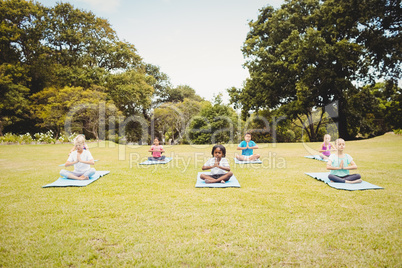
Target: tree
376, 109
175, 117
305, 57
178, 94
131, 91
80, 107
13, 95
56, 48
216, 123
21, 53
84, 48
23, 26
161, 84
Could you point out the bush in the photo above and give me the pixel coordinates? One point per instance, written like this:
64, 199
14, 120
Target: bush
64, 138
9, 138
25, 139
45, 137
398, 131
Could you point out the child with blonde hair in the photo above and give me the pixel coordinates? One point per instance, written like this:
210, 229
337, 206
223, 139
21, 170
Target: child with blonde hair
339, 165
326, 147
85, 145
81, 160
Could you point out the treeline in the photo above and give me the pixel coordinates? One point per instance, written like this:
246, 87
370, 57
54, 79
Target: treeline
65, 70
315, 63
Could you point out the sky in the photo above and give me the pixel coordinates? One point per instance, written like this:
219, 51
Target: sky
195, 42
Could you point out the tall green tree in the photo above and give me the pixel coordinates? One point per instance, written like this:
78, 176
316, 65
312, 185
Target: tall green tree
161, 83
306, 56
14, 106
23, 30
61, 47
23, 61
84, 48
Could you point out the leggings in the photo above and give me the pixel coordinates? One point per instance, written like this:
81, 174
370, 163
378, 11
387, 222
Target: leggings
351, 177
156, 158
90, 172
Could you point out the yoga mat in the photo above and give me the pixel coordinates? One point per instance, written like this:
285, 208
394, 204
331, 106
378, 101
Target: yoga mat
64, 182
237, 161
232, 182
364, 185
316, 157
148, 162
62, 165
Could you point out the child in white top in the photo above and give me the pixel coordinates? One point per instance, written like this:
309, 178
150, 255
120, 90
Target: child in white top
81, 159
339, 165
74, 148
219, 166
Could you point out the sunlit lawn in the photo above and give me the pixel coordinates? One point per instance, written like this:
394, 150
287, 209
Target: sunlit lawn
154, 216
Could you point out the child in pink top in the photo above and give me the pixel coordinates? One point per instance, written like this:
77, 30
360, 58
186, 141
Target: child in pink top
326, 147
156, 151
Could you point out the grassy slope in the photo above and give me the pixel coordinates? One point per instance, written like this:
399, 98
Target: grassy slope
154, 216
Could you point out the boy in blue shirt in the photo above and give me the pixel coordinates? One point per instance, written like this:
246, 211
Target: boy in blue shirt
247, 146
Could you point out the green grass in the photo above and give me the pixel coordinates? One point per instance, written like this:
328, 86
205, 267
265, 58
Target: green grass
154, 216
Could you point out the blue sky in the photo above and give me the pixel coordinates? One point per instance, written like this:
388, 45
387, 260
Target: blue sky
195, 42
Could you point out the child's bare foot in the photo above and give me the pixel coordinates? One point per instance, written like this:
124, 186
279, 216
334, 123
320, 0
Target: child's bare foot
356, 181
209, 181
82, 177
222, 181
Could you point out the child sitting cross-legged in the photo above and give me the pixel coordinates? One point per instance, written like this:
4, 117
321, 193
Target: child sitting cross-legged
339, 165
247, 146
156, 151
81, 160
219, 166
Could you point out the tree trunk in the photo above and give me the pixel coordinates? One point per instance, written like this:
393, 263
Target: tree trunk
342, 120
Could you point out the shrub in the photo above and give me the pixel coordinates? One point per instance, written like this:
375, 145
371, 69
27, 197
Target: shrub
398, 131
9, 138
64, 138
45, 137
25, 139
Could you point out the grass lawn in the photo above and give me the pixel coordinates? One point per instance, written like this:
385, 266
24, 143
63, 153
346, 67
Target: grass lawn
154, 216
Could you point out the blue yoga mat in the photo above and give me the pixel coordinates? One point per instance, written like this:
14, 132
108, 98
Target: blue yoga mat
232, 182
364, 185
64, 182
316, 157
237, 161
62, 165
149, 162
